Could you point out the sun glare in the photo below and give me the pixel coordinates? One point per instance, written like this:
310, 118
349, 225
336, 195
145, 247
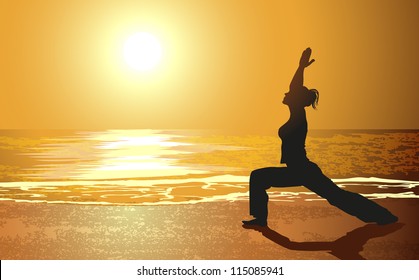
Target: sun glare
142, 51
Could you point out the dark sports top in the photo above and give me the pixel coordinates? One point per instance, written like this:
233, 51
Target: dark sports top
293, 135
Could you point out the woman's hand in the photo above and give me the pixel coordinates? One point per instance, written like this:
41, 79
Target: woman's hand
305, 58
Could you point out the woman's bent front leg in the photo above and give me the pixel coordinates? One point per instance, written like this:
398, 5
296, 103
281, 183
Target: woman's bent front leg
261, 180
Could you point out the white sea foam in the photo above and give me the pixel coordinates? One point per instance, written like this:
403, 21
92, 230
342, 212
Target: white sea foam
164, 190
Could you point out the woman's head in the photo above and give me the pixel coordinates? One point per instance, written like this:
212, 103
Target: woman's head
303, 98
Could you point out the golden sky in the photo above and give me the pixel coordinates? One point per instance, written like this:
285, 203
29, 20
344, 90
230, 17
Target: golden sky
225, 64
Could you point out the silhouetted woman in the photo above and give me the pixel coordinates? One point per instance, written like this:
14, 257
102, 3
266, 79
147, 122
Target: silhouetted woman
300, 171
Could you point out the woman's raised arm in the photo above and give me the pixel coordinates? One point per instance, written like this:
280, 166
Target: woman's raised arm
298, 79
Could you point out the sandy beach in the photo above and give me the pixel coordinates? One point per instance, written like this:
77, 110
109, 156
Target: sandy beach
299, 230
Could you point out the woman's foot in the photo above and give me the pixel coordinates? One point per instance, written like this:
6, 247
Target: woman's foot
390, 219
256, 222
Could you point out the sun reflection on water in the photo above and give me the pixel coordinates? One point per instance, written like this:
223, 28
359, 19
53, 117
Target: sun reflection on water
112, 154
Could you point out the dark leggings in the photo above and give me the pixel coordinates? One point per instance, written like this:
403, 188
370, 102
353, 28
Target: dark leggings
310, 176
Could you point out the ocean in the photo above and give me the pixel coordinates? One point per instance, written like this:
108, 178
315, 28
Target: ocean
160, 167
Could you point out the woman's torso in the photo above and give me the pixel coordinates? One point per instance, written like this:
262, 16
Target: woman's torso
293, 135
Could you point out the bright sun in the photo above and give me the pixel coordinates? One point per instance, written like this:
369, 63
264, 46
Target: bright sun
142, 51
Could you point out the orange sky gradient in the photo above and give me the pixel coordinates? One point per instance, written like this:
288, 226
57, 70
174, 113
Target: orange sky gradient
226, 64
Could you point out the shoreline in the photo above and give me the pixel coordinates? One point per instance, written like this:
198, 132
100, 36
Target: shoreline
163, 191
212, 230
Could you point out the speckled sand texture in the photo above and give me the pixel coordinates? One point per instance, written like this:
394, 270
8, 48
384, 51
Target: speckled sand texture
299, 230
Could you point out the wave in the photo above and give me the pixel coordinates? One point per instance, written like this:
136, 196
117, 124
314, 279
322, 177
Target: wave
164, 191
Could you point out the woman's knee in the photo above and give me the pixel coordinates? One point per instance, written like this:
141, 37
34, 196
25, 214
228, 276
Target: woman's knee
259, 179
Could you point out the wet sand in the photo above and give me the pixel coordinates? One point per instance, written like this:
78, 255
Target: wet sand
297, 230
